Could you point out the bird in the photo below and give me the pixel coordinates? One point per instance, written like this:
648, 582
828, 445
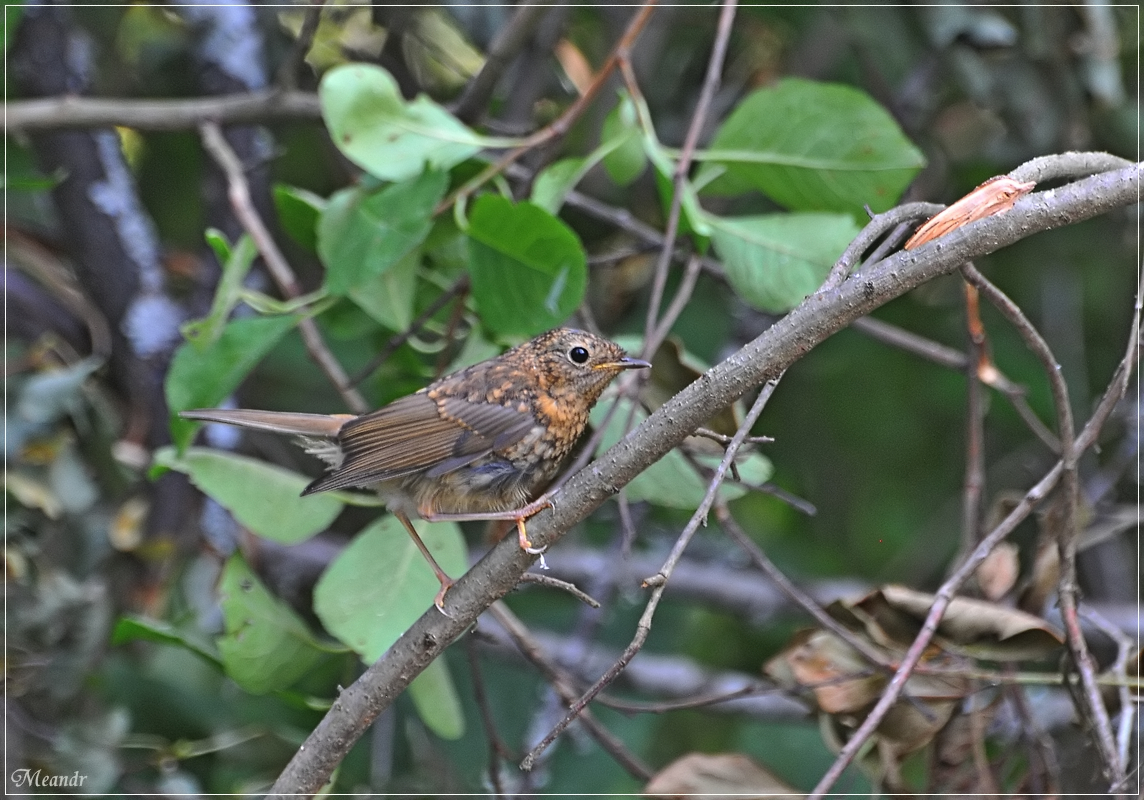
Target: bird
475, 444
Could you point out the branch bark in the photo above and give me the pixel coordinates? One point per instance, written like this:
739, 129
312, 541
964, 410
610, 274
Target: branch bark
66, 111
774, 350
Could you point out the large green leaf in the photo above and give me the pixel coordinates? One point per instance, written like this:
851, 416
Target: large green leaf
202, 374
388, 297
266, 646
437, 701
528, 268
814, 147
380, 584
265, 498
379, 131
361, 234
773, 261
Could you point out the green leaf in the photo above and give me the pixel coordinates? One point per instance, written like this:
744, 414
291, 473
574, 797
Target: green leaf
556, 180
266, 646
774, 261
235, 266
298, 211
672, 482
361, 234
628, 160
265, 498
132, 627
381, 584
815, 147
388, 298
201, 375
528, 268
218, 242
379, 131
437, 702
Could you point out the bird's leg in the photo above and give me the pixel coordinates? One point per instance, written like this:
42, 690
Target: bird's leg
442, 577
519, 515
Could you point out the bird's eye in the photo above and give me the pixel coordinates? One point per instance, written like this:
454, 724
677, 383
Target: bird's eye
579, 355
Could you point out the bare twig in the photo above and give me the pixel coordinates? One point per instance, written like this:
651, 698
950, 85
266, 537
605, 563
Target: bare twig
974, 425
659, 581
161, 115
288, 72
459, 288
276, 263
1118, 670
654, 330
508, 42
563, 685
555, 583
497, 748
679, 302
875, 229
801, 598
1068, 530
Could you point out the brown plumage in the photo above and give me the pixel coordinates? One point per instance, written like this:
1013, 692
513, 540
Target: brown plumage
475, 444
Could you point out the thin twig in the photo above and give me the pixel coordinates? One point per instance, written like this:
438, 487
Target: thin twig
276, 264
659, 581
288, 72
974, 425
664, 706
874, 230
497, 748
459, 288
679, 301
1118, 670
1068, 529
563, 685
807, 603
555, 583
654, 330
504, 48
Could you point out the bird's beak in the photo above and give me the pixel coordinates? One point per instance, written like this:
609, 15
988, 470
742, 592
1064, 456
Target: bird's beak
624, 363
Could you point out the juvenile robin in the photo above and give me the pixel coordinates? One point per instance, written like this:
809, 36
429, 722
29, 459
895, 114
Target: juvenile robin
475, 444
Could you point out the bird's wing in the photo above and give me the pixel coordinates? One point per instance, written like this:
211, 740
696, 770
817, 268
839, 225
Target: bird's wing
415, 434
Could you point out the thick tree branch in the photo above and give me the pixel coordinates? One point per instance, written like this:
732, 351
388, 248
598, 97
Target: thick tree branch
774, 350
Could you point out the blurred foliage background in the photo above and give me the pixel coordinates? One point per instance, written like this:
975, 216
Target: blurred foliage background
118, 665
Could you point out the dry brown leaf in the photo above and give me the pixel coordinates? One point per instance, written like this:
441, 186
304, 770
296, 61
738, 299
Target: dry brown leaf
994, 196
976, 627
998, 572
575, 66
841, 681
716, 775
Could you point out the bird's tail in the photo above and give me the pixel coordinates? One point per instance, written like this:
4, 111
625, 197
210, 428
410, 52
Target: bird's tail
322, 425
